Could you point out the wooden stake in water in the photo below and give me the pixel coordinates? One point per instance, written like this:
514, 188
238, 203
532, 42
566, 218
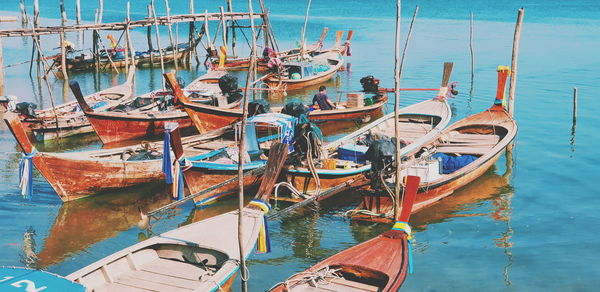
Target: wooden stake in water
192, 38
242, 151
173, 45
100, 10
149, 36
63, 55
472, 56
160, 52
233, 50
78, 11
397, 106
63, 12
574, 106
23, 12
513, 65
1, 70
128, 43
303, 45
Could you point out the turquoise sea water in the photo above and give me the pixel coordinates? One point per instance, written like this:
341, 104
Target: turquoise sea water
532, 228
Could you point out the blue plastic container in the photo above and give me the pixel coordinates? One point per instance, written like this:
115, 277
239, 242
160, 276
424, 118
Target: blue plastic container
353, 152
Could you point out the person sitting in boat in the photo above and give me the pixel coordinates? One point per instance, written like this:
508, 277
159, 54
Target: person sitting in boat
322, 100
274, 64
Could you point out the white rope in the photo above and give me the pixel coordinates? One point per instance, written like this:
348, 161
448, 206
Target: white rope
322, 276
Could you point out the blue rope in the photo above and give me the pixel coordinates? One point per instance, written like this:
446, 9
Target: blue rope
403, 226
410, 257
167, 166
183, 163
26, 160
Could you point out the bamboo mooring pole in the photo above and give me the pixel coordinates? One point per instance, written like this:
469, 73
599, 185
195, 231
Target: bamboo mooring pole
191, 41
1, 69
160, 52
101, 9
224, 26
173, 47
23, 12
472, 56
63, 12
233, 49
242, 151
63, 55
129, 43
303, 45
266, 23
513, 65
574, 106
149, 37
397, 108
206, 31
78, 11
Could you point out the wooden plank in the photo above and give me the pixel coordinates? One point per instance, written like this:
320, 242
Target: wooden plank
163, 20
354, 285
148, 285
119, 287
174, 269
166, 280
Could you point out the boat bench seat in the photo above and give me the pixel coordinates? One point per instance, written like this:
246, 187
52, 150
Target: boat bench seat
337, 285
472, 144
455, 137
146, 271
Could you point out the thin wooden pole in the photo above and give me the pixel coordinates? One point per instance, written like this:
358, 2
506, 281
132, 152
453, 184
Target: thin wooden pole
513, 65
173, 47
63, 55
1, 69
242, 151
63, 12
191, 41
206, 31
36, 24
129, 43
472, 55
397, 108
149, 36
101, 5
36, 13
78, 11
266, 23
303, 44
108, 55
160, 52
224, 27
233, 48
23, 12
574, 106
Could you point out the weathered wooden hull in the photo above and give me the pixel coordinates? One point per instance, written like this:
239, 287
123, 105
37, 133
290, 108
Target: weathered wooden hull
199, 179
74, 179
113, 128
297, 84
431, 192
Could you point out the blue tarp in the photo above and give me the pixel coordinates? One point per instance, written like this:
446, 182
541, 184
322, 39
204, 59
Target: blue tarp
451, 163
23, 279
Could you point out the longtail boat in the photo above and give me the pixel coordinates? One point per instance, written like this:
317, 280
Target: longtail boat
301, 73
203, 256
459, 155
344, 159
379, 264
86, 61
235, 63
71, 120
74, 175
220, 165
208, 117
26, 279
127, 122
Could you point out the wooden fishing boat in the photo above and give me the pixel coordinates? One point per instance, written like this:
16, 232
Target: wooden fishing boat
148, 120
379, 264
86, 61
301, 73
71, 120
344, 159
203, 256
236, 63
220, 165
459, 155
207, 117
26, 279
74, 175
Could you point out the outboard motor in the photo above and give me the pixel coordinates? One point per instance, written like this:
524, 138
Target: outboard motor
27, 109
382, 154
370, 84
295, 108
258, 106
229, 87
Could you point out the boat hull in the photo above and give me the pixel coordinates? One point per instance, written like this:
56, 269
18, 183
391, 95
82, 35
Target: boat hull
74, 179
199, 179
113, 128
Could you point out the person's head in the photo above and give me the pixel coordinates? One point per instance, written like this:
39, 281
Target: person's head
322, 88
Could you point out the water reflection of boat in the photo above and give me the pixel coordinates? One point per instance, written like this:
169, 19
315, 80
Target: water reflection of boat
82, 223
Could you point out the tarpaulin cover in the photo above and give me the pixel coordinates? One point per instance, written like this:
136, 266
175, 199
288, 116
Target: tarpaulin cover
451, 163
